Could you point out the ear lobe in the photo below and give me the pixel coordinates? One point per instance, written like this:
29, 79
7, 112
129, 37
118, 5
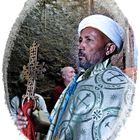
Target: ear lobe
110, 48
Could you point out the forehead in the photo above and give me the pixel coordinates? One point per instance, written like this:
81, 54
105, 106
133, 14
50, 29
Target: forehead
68, 69
91, 31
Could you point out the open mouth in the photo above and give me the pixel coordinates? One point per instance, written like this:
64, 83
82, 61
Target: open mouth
81, 57
81, 54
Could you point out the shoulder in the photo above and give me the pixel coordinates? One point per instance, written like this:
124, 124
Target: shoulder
114, 68
15, 102
59, 87
115, 71
15, 99
117, 74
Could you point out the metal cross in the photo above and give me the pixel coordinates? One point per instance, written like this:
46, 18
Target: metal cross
31, 73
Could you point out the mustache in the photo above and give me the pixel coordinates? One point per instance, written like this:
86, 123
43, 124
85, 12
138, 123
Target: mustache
81, 53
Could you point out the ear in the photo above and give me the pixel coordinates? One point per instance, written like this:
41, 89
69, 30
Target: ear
63, 76
110, 48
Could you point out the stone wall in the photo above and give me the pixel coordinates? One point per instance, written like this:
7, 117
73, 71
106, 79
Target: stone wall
53, 24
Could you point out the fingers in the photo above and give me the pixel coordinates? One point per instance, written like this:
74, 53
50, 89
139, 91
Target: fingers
21, 121
21, 124
19, 111
21, 118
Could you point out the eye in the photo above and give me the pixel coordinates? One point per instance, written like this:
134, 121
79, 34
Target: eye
89, 39
80, 40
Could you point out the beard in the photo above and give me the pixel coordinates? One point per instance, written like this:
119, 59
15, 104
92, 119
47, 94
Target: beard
83, 62
84, 65
86, 62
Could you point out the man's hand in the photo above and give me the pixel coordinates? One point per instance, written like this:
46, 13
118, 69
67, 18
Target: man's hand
21, 120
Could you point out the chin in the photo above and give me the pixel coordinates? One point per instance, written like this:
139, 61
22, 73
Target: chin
84, 65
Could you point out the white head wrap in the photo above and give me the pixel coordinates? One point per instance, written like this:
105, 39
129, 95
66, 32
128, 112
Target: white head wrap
107, 26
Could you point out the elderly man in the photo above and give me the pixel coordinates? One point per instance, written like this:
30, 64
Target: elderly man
95, 105
67, 74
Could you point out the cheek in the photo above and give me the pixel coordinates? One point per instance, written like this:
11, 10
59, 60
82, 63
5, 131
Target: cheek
94, 56
90, 54
68, 76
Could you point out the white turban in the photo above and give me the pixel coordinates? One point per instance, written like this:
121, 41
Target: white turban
107, 26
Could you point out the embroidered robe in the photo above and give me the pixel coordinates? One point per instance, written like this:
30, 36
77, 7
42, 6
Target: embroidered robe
96, 109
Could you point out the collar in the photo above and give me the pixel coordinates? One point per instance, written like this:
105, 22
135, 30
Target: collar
95, 70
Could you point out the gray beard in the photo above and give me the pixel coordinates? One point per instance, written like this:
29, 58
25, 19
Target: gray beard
85, 66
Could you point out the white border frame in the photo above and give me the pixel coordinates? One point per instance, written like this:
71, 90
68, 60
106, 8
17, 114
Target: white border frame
9, 11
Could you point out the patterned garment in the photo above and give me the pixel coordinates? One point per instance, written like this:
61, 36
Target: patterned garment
96, 109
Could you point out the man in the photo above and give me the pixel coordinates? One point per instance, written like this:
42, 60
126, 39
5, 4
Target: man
67, 74
95, 105
40, 113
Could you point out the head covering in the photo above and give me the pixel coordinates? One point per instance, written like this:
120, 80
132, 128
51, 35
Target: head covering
107, 26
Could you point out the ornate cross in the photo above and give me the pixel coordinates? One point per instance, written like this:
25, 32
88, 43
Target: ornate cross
31, 73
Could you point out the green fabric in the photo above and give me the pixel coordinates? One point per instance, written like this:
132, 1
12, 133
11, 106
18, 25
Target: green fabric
98, 108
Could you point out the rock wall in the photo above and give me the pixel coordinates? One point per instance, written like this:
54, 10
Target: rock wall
53, 24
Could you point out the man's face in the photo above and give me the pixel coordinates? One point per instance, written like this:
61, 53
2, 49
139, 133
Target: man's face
91, 47
68, 74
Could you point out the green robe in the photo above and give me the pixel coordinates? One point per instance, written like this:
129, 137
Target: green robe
97, 108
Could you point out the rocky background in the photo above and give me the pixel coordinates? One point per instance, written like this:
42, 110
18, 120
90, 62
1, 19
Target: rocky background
53, 24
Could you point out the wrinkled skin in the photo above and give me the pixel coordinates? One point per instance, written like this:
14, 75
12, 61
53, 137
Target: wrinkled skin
68, 74
93, 46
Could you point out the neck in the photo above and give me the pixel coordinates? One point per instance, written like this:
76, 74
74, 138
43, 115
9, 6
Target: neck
66, 83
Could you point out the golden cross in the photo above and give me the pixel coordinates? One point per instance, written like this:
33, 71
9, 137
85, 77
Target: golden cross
31, 73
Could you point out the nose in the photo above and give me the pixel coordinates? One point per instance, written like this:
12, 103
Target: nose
81, 45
